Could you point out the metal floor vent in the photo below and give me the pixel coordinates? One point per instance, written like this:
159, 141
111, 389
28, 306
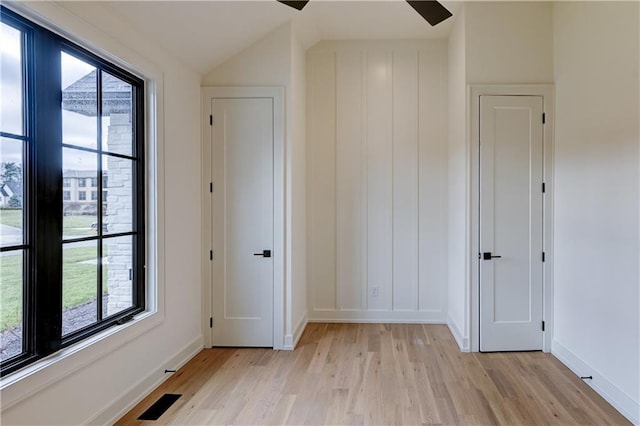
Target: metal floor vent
160, 406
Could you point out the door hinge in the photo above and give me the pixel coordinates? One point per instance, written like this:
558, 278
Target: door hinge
544, 187
211, 187
543, 256
544, 118
211, 322
210, 254
542, 325
211, 120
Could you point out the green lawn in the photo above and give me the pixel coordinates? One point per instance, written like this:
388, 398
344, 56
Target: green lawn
79, 283
11, 217
73, 226
78, 225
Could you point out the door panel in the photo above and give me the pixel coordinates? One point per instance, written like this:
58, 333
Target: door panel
511, 222
242, 164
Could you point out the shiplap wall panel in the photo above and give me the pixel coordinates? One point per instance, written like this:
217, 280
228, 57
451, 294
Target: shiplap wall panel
350, 182
321, 181
405, 180
377, 179
379, 191
433, 248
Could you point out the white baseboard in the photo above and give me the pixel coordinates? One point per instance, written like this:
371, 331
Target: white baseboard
136, 393
291, 340
463, 342
357, 316
610, 392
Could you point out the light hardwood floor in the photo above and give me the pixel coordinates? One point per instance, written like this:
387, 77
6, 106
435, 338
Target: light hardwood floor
382, 374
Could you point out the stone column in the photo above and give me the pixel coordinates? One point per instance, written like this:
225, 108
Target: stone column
119, 215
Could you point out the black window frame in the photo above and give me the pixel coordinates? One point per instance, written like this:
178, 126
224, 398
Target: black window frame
43, 194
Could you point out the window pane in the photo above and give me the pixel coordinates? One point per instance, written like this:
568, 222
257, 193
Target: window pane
117, 106
117, 273
118, 210
79, 285
11, 192
11, 87
80, 213
11, 285
79, 102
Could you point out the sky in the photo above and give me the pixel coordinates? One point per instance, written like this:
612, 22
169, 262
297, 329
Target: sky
77, 129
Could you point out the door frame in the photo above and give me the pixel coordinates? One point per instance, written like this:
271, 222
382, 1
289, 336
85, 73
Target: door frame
277, 95
546, 91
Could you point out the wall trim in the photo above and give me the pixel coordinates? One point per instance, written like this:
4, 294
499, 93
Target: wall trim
359, 316
474, 91
136, 393
610, 392
463, 342
291, 340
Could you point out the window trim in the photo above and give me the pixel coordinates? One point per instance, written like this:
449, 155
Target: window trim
151, 234
22, 384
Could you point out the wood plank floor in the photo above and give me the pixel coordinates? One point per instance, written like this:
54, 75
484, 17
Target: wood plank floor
378, 374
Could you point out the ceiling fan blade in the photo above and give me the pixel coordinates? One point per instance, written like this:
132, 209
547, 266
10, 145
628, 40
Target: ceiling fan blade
432, 11
295, 4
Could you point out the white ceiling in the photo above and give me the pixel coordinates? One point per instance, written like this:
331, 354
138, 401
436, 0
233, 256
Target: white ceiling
204, 34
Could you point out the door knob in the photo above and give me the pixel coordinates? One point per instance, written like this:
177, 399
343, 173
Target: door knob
488, 256
265, 253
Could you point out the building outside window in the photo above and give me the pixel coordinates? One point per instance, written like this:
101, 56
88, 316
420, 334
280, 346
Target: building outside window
93, 276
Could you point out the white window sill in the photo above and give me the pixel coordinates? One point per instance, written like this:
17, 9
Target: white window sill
29, 380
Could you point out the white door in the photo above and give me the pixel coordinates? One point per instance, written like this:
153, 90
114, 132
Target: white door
242, 170
511, 223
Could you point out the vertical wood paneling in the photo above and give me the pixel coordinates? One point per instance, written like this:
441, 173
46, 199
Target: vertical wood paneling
432, 176
321, 180
379, 156
405, 180
350, 190
377, 180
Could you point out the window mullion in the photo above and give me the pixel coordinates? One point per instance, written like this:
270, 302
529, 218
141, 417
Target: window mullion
47, 206
99, 200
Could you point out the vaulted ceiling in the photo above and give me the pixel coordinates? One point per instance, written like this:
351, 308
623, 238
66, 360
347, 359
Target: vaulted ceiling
204, 34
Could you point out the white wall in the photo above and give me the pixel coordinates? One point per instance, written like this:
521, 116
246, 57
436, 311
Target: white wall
298, 186
458, 163
597, 169
509, 42
376, 181
275, 61
98, 382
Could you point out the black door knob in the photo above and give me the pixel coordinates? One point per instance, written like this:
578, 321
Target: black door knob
265, 253
488, 256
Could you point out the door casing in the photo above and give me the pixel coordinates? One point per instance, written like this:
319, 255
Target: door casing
546, 91
277, 95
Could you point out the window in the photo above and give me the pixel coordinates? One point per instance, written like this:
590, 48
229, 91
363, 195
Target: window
93, 273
